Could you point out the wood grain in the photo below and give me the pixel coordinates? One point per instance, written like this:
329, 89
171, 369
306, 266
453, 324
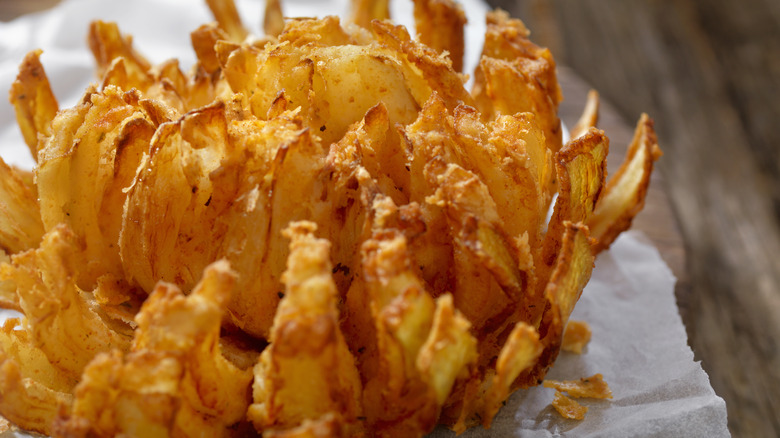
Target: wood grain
10, 9
708, 72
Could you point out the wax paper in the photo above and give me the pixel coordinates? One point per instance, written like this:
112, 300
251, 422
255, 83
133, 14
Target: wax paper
639, 342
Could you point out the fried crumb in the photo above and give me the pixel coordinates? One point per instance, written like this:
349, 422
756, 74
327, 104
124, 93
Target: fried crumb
576, 336
586, 387
568, 408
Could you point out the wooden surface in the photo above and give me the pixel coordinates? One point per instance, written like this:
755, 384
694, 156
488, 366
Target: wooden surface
708, 72
10, 9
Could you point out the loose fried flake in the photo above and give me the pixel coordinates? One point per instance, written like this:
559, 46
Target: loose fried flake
586, 387
568, 408
576, 336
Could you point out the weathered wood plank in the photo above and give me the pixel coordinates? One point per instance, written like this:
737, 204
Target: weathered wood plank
10, 9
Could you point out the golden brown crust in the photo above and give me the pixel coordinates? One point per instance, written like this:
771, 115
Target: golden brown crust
624, 195
576, 336
366, 11
568, 408
589, 117
440, 25
34, 102
586, 387
320, 233
227, 17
